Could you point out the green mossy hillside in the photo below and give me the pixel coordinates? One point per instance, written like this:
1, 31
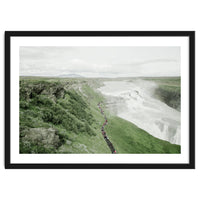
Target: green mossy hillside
52, 104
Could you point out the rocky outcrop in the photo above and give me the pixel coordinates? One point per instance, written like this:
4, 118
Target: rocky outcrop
41, 136
171, 97
53, 90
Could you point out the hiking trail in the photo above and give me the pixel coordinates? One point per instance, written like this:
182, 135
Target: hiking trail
109, 143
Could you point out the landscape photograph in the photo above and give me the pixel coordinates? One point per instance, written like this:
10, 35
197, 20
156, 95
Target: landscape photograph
99, 100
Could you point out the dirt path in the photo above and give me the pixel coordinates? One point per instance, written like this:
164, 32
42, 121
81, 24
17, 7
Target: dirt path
109, 143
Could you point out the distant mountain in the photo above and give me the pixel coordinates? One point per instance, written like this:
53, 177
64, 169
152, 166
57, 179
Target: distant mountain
71, 75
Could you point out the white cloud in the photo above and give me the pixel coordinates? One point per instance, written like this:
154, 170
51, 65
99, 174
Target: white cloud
100, 61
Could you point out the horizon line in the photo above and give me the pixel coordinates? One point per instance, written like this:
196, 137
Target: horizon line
95, 76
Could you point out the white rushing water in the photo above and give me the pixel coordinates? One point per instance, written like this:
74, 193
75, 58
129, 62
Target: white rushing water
134, 102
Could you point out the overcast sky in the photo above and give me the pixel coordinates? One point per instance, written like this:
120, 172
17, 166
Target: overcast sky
100, 61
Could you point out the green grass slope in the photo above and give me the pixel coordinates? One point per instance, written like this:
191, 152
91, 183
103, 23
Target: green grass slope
56, 106
61, 116
128, 138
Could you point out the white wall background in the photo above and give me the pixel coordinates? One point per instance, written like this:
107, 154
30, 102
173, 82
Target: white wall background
98, 15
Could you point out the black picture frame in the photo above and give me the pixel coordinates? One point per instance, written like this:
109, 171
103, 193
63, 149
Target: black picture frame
191, 37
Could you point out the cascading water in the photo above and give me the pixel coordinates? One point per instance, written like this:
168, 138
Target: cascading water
134, 102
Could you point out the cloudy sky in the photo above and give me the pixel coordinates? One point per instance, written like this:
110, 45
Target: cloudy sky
100, 61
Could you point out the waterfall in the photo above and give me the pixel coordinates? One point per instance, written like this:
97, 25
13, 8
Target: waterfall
134, 101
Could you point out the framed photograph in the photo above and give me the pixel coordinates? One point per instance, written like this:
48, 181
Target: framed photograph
99, 99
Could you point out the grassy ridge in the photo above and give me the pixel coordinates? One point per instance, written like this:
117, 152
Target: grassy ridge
54, 106
61, 116
128, 138
169, 91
